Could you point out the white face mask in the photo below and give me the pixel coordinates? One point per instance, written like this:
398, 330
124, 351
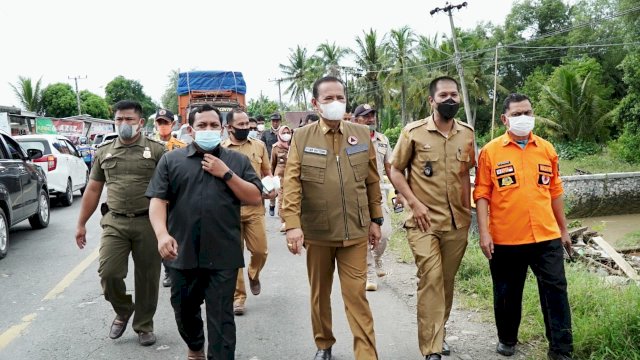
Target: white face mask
334, 110
260, 127
286, 137
521, 125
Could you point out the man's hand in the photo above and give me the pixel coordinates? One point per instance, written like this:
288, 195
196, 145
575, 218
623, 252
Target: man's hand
486, 244
271, 195
295, 239
168, 247
81, 236
566, 242
421, 215
214, 166
374, 235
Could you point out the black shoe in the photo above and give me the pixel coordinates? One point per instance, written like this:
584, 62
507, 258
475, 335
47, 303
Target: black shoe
433, 357
323, 354
506, 350
552, 355
272, 210
166, 282
445, 349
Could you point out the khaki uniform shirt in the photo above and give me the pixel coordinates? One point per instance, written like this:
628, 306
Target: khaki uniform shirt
174, 143
383, 152
331, 184
446, 192
127, 170
257, 153
278, 160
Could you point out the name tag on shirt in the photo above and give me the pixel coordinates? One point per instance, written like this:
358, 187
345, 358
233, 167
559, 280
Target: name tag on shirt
357, 149
312, 150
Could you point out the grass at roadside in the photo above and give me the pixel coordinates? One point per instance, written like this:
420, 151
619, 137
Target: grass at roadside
597, 164
631, 239
398, 242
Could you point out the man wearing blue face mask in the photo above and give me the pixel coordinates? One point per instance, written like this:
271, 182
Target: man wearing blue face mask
199, 243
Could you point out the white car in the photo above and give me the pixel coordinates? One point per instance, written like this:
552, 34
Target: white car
65, 168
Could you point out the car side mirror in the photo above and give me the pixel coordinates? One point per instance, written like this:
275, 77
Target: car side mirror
34, 154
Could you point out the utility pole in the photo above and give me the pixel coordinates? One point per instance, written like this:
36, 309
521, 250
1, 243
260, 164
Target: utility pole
279, 91
457, 59
76, 78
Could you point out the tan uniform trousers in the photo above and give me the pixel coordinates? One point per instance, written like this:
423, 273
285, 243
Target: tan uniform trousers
253, 233
120, 236
386, 230
352, 270
437, 255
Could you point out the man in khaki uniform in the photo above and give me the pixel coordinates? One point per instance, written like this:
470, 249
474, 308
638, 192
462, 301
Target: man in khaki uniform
437, 152
251, 216
332, 206
126, 164
164, 123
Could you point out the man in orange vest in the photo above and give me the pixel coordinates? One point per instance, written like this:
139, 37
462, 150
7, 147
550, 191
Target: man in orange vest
521, 221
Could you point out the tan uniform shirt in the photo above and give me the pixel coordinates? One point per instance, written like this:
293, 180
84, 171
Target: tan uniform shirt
278, 160
438, 171
256, 151
331, 184
383, 152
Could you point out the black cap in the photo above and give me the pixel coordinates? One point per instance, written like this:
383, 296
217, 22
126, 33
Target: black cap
164, 114
363, 110
276, 116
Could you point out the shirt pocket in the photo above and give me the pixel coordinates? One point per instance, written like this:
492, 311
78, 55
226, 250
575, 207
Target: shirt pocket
360, 165
146, 168
313, 168
545, 176
110, 169
463, 156
363, 210
506, 178
313, 215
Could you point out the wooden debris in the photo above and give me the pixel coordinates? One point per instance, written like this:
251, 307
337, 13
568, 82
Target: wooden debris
617, 258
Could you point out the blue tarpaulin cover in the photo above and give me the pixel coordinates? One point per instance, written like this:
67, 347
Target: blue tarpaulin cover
211, 80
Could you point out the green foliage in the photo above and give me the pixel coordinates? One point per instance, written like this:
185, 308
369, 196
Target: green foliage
627, 146
300, 73
393, 134
94, 105
121, 88
59, 100
262, 106
170, 96
601, 163
29, 95
574, 149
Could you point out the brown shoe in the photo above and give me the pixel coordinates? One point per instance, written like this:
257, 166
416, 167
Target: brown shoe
238, 309
118, 325
146, 338
196, 355
255, 286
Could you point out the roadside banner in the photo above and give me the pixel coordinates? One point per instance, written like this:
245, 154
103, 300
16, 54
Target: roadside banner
45, 126
69, 127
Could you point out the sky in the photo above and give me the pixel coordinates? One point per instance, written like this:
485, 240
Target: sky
145, 40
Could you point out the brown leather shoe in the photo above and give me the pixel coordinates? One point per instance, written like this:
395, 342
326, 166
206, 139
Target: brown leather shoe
238, 309
118, 326
255, 286
146, 338
196, 355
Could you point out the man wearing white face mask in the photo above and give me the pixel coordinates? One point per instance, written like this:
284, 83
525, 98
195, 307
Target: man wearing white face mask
332, 205
518, 177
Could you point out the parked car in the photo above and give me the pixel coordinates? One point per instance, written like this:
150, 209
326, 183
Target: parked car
100, 138
23, 189
63, 164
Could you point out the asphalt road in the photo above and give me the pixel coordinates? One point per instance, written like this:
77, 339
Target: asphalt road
51, 306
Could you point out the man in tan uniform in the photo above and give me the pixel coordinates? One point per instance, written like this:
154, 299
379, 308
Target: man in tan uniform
437, 152
332, 206
252, 216
126, 164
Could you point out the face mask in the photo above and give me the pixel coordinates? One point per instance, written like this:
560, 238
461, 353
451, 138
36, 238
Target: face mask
334, 110
274, 126
253, 134
372, 127
186, 138
285, 137
521, 125
126, 131
448, 108
208, 139
164, 130
240, 134
260, 127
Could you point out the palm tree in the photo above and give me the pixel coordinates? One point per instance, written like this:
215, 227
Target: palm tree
400, 47
300, 74
30, 96
330, 56
370, 56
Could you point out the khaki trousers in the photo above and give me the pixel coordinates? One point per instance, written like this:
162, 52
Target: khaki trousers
253, 233
121, 236
378, 251
437, 255
352, 270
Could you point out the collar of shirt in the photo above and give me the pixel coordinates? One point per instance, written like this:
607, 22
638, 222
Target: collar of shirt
192, 150
431, 126
326, 128
138, 142
506, 139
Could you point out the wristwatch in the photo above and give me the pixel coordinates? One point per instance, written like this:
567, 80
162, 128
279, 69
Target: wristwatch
378, 221
228, 175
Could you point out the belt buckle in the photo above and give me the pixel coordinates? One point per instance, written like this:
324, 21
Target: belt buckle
130, 215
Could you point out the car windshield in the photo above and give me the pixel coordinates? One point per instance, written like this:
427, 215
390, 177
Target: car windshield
39, 144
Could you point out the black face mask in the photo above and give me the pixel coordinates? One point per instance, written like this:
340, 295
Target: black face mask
448, 109
241, 134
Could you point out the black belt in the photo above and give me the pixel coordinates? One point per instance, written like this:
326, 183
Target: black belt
131, 215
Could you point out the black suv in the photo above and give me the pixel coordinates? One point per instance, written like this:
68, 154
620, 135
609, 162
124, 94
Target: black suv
23, 189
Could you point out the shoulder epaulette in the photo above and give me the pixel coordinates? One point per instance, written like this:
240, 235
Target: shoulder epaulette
465, 125
155, 141
415, 124
105, 143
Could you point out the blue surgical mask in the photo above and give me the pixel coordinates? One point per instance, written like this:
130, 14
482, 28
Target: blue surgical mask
253, 134
208, 139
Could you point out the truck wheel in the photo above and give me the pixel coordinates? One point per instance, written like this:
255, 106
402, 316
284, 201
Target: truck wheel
40, 219
66, 199
4, 235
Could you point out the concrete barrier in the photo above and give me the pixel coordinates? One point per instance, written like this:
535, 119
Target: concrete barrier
602, 194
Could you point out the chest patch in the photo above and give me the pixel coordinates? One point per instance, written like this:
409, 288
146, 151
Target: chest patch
312, 150
504, 163
507, 181
545, 169
357, 149
544, 179
505, 170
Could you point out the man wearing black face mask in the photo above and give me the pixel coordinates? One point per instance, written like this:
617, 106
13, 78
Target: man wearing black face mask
251, 216
437, 152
